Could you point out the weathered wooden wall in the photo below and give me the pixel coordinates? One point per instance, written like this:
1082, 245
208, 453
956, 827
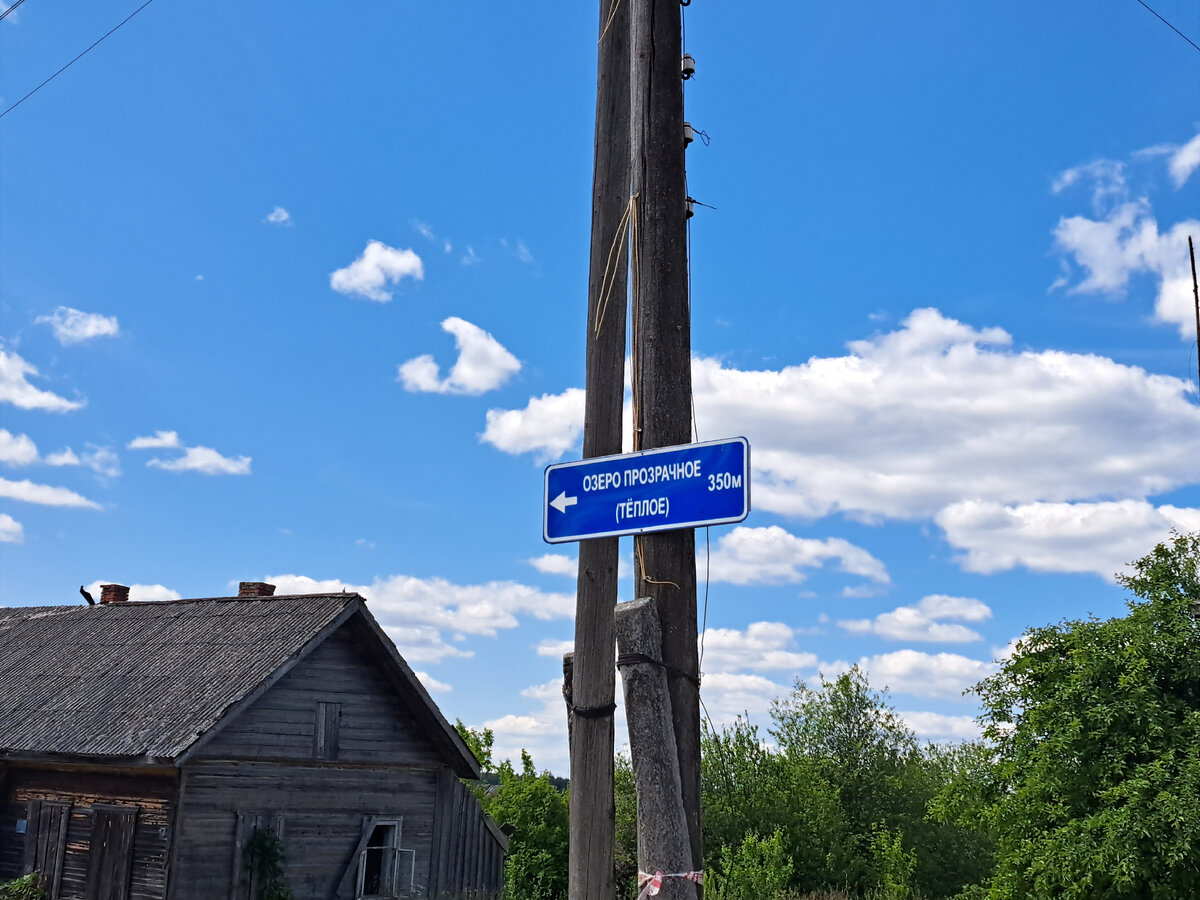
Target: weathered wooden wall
468, 848
151, 795
321, 809
377, 725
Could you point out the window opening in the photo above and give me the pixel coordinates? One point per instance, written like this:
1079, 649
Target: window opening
385, 869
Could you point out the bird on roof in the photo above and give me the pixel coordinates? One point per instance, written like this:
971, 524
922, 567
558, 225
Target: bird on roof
87, 596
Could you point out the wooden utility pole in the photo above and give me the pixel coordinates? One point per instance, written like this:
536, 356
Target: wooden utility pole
664, 562
592, 827
663, 841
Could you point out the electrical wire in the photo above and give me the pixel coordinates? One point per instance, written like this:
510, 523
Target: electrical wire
76, 59
11, 8
1169, 25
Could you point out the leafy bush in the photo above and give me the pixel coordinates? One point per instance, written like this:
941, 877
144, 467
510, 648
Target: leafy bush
27, 887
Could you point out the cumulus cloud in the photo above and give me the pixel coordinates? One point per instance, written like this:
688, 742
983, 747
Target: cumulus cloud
73, 326
65, 457
939, 727
913, 420
926, 621
432, 684
1060, 537
16, 389
555, 564
523, 253
11, 531
46, 495
205, 460
158, 440
554, 649
141, 593
1184, 161
278, 216
772, 555
378, 266
17, 449
1122, 238
760, 647
548, 426
417, 612
925, 674
542, 731
483, 364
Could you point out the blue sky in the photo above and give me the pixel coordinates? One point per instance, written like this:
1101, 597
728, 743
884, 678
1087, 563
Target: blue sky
297, 293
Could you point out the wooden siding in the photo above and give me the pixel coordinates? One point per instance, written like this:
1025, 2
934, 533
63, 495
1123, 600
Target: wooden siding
151, 795
467, 848
375, 724
321, 809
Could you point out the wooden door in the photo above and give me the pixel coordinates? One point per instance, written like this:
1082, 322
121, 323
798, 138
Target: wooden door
111, 852
46, 841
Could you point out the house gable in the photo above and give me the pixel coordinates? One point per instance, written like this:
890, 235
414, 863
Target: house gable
336, 704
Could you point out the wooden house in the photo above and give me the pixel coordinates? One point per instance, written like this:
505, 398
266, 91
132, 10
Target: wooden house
142, 745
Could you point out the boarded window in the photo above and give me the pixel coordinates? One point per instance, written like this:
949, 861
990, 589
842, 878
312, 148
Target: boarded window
110, 854
329, 719
46, 841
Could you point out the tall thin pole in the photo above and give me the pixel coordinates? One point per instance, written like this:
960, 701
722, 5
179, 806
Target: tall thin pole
665, 562
1196, 295
592, 826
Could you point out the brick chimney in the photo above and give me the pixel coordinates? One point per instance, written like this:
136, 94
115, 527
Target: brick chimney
255, 589
114, 593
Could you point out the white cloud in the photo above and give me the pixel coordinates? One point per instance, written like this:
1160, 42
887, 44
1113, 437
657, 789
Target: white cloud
555, 564
43, 494
1184, 161
470, 259
549, 425
379, 265
402, 602
483, 364
771, 555
728, 695
159, 440
915, 419
761, 647
1122, 239
925, 621
17, 449
1060, 537
554, 649
16, 389
938, 727
432, 684
279, 216
1107, 178
141, 593
65, 457
925, 674
11, 531
542, 731
205, 460
523, 253
73, 326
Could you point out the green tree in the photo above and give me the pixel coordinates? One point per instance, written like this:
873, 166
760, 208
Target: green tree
1096, 725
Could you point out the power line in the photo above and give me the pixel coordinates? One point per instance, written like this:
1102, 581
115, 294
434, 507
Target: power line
1172, 27
76, 59
11, 8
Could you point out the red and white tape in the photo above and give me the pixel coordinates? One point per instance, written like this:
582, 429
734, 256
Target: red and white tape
652, 884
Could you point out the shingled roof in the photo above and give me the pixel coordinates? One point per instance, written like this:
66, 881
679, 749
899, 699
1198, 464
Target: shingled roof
145, 681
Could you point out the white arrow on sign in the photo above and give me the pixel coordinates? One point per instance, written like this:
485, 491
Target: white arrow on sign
562, 501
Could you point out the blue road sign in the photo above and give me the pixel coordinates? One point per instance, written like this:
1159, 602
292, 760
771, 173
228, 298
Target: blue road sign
688, 486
